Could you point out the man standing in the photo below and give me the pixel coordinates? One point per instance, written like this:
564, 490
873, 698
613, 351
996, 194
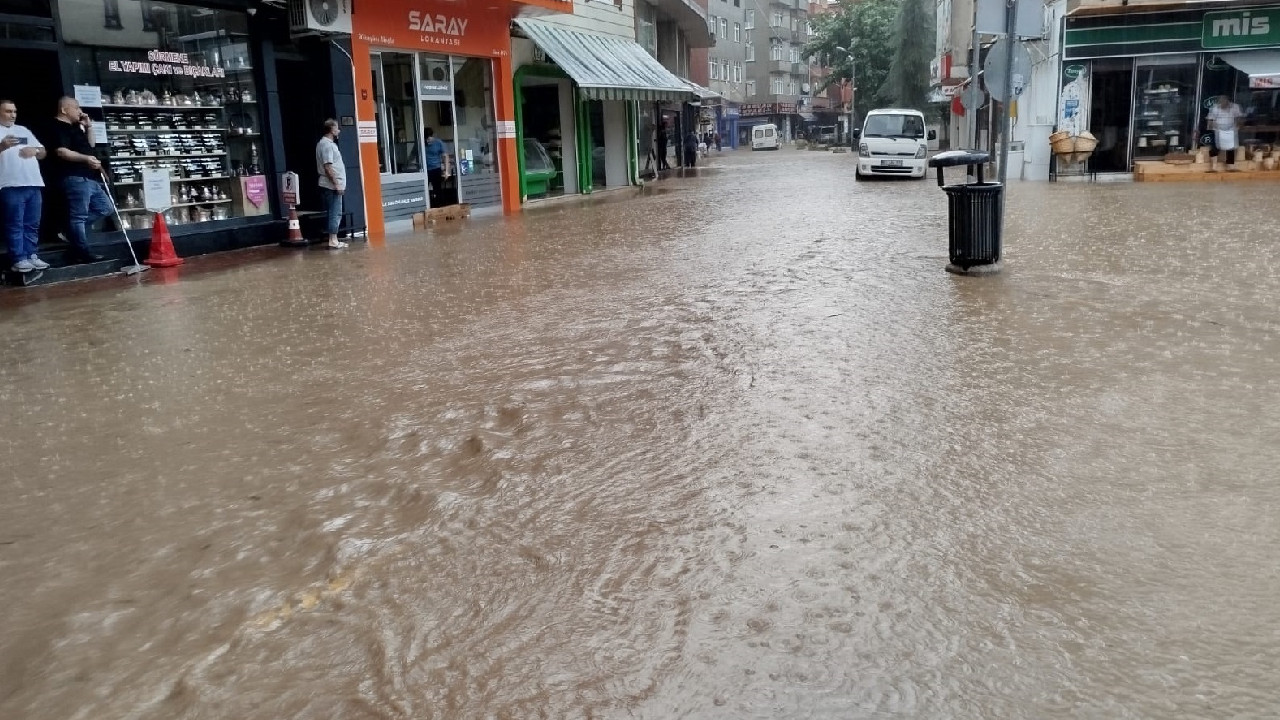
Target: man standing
333, 180
662, 147
79, 173
437, 157
1224, 121
20, 189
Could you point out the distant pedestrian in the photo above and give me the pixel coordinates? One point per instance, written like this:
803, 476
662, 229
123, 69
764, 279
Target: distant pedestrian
662, 147
691, 149
718, 148
78, 171
1224, 120
333, 180
21, 188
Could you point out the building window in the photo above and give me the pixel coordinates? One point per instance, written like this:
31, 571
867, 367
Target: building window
808, 28
776, 86
751, 53
711, 69
711, 24
724, 28
776, 20
737, 3
775, 51
751, 88
751, 20
724, 70
737, 71
795, 54
737, 32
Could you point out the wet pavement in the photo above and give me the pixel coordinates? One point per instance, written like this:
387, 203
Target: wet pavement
735, 448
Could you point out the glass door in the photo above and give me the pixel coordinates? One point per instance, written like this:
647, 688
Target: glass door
438, 132
1110, 113
475, 133
400, 153
1164, 111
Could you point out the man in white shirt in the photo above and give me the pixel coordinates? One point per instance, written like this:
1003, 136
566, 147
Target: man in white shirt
333, 180
21, 188
1224, 120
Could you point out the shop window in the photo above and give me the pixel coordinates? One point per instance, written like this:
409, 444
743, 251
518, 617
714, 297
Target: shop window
1164, 105
178, 94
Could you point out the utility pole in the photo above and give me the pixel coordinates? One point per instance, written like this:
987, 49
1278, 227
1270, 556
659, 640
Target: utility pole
853, 89
1010, 28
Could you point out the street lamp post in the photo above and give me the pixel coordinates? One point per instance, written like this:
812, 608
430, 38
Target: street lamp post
853, 89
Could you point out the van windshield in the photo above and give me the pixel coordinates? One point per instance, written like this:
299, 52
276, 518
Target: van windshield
894, 126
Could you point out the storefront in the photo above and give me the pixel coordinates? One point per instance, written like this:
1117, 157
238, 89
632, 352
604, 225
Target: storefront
579, 116
729, 114
752, 114
173, 86
1143, 83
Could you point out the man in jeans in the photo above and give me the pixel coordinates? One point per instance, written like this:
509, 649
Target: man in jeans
20, 189
333, 180
79, 172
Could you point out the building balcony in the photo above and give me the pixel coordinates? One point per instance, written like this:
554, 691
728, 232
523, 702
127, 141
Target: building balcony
689, 18
787, 67
790, 4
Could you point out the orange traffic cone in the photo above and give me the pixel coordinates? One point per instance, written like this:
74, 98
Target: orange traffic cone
161, 254
295, 238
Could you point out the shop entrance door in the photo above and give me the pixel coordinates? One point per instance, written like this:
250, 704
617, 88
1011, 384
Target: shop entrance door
435, 93
400, 153
1111, 112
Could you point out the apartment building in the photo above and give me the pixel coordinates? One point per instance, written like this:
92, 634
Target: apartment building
777, 75
727, 63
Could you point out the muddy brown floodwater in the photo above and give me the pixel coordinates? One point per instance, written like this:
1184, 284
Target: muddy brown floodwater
738, 448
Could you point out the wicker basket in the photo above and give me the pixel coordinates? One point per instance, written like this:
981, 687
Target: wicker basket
1086, 142
1063, 146
1058, 136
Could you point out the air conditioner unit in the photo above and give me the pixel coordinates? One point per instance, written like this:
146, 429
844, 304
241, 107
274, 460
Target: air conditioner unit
320, 16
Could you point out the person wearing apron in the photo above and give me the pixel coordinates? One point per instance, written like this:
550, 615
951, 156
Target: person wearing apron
1224, 121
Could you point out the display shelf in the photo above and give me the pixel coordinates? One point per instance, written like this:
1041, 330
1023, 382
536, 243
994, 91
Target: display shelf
179, 205
158, 108
170, 131
171, 156
178, 180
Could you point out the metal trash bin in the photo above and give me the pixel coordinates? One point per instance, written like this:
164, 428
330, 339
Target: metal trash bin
974, 211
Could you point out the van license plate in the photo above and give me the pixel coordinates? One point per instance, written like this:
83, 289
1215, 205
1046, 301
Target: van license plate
890, 163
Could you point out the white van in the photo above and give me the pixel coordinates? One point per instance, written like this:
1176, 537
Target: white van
893, 142
764, 137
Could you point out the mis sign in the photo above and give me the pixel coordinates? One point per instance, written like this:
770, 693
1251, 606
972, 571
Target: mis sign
1240, 28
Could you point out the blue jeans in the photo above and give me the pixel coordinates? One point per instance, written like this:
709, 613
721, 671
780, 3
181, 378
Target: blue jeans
21, 207
87, 203
332, 205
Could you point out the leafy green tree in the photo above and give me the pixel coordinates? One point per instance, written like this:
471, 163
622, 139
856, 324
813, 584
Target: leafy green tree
907, 82
865, 26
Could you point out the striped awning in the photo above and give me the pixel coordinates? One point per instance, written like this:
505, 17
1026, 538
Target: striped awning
605, 67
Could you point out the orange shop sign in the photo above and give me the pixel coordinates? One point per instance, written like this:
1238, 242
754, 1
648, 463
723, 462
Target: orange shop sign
423, 25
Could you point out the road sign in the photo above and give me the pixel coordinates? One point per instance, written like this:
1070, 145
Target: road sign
993, 69
289, 188
972, 97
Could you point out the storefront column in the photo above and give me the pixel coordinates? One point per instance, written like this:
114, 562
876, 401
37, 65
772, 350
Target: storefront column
367, 141
504, 105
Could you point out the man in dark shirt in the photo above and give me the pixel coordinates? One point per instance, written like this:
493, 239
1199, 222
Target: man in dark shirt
76, 169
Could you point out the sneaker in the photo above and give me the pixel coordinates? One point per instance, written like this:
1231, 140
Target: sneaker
336, 244
23, 266
37, 263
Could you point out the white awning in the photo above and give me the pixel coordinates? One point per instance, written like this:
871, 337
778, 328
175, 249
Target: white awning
606, 67
1262, 66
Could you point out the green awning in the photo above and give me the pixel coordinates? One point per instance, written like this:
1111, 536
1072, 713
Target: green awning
605, 67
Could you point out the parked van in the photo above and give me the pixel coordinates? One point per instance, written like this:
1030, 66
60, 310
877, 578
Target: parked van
764, 137
893, 142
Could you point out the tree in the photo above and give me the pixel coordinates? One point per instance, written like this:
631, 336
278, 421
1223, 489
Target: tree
865, 26
907, 82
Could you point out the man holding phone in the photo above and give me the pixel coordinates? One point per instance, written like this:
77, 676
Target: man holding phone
21, 186
79, 173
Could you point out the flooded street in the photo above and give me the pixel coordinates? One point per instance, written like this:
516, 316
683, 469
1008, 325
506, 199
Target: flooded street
735, 448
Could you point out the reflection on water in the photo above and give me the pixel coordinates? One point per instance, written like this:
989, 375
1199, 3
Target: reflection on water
739, 448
